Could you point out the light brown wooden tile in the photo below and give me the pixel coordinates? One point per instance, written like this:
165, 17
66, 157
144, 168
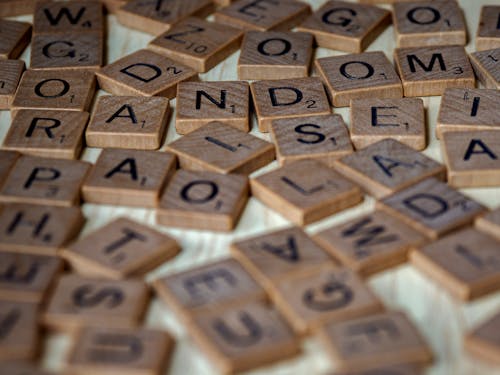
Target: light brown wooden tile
489, 223
197, 43
128, 177
432, 207
427, 71
366, 343
218, 147
22, 368
346, 26
263, 15
370, 243
80, 301
36, 229
488, 31
47, 133
144, 73
10, 75
203, 201
483, 341
388, 166
465, 263
128, 122
374, 119
275, 55
199, 103
14, 37
328, 294
305, 191
7, 161
486, 65
285, 98
356, 76
323, 138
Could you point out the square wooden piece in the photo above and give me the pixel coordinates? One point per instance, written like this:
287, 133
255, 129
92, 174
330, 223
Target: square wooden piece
490, 223
486, 65
10, 75
14, 37
483, 341
488, 31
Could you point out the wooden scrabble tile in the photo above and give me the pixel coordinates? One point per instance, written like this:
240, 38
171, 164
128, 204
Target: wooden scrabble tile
7, 161
197, 43
432, 207
346, 26
10, 74
134, 351
48, 181
466, 263
144, 73
263, 15
19, 336
221, 148
36, 229
121, 249
244, 337
355, 76
128, 122
483, 341
158, 16
79, 301
488, 31
26, 277
375, 119
47, 133
305, 191
464, 109
69, 90
9, 8
327, 294
128, 177
323, 138
388, 166
406, 369
489, 223
14, 37
365, 343
203, 201
199, 103
430, 70
487, 67
370, 243
22, 368
285, 98
275, 55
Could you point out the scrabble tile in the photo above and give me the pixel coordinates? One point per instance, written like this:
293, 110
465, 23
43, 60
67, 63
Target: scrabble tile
19, 335
7, 161
38, 180
483, 341
217, 147
427, 71
370, 243
69, 90
10, 74
356, 76
134, 351
121, 249
79, 301
406, 369
36, 229
157, 16
128, 177
487, 67
285, 98
144, 73
388, 166
465, 263
197, 43
244, 337
323, 138
346, 26
328, 294
22, 368
272, 256
365, 343
429, 23
14, 37
305, 191
431, 207
203, 201
199, 103
489, 223
275, 55
375, 119
263, 15
128, 122
47, 133
488, 31
464, 109
9, 8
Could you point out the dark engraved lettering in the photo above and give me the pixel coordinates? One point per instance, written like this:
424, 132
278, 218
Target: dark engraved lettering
155, 72
256, 5
118, 114
117, 348
8, 322
287, 46
387, 164
412, 59
276, 103
13, 274
375, 116
434, 15
288, 251
210, 279
64, 90
302, 129
475, 106
330, 296
469, 256
87, 296
341, 20
128, 235
210, 194
369, 70
64, 12
375, 331
131, 169
471, 149
37, 226
253, 332
221, 103
299, 188
47, 50
36, 174
219, 143
435, 206
48, 129
175, 36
